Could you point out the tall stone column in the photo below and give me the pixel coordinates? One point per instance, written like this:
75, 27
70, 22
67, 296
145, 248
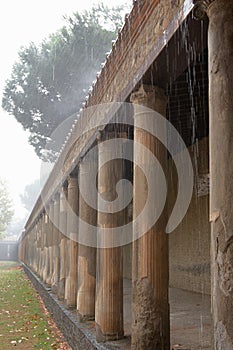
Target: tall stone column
56, 243
46, 246
109, 275
67, 266
87, 254
50, 242
72, 232
27, 256
34, 254
41, 247
150, 270
22, 249
220, 47
63, 232
37, 245
26, 247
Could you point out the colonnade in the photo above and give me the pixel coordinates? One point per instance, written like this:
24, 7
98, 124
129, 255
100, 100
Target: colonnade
90, 278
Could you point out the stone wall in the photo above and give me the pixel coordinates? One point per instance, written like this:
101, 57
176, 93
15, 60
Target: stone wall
189, 250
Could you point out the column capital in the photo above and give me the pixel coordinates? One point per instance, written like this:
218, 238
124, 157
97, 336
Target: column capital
51, 202
56, 198
72, 180
151, 97
201, 8
145, 92
99, 136
63, 193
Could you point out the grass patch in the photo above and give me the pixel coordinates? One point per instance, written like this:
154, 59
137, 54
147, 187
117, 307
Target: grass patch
23, 324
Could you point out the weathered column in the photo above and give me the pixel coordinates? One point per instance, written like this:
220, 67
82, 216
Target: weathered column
40, 245
27, 252
26, 247
109, 275
56, 242
34, 254
150, 307
37, 246
46, 246
21, 247
72, 232
67, 266
86, 254
33, 248
63, 232
50, 242
220, 47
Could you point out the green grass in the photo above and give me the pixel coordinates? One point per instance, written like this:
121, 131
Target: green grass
22, 323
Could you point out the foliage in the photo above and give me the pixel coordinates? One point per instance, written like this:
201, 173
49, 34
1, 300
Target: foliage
16, 227
6, 212
50, 81
30, 195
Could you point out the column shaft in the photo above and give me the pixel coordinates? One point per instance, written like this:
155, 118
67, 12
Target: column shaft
63, 232
87, 254
72, 232
150, 307
46, 247
220, 45
50, 242
56, 242
109, 287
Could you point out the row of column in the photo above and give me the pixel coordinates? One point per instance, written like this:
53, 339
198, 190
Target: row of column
91, 279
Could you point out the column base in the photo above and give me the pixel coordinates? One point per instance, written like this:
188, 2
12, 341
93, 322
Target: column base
54, 288
85, 318
48, 282
151, 326
103, 337
69, 305
70, 295
61, 289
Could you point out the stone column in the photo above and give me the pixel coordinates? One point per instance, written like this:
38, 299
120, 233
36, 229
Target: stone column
46, 246
220, 47
34, 254
27, 243
67, 266
26, 247
50, 242
41, 247
29, 232
22, 248
33, 248
109, 276
87, 254
150, 271
72, 233
37, 246
56, 242
63, 232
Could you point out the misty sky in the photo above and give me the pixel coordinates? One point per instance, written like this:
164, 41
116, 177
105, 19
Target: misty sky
20, 23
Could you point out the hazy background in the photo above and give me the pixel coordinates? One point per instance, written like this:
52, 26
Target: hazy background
20, 23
